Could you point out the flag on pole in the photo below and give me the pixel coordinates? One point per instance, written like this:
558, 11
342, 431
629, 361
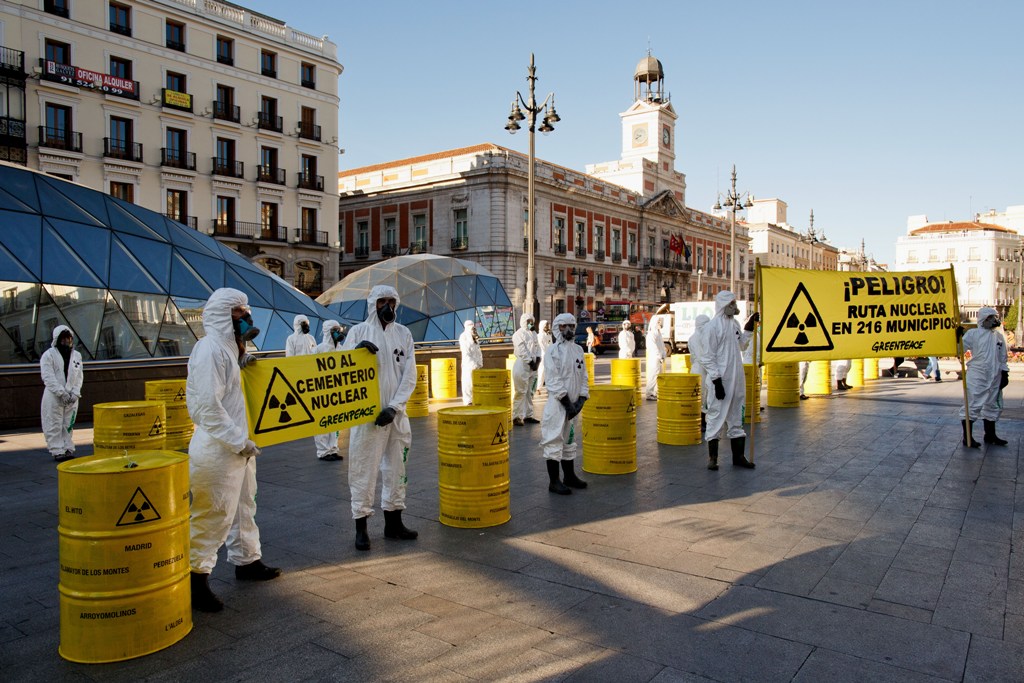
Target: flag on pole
675, 245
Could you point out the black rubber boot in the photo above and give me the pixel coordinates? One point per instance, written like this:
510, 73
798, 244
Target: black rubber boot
203, 598
554, 485
569, 475
362, 538
703, 422
739, 444
712, 454
256, 571
968, 436
393, 527
990, 434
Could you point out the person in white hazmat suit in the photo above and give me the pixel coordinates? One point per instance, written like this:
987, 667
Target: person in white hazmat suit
696, 346
545, 339
300, 342
627, 342
655, 358
724, 383
841, 368
222, 458
524, 371
561, 428
987, 376
383, 445
333, 338
472, 359
61, 370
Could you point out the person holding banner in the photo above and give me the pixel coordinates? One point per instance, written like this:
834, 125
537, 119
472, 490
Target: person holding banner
384, 445
327, 444
655, 358
987, 376
524, 372
472, 359
301, 342
561, 428
724, 383
222, 458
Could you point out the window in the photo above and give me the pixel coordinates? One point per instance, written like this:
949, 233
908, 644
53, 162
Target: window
632, 246
309, 224
268, 118
972, 275
120, 141
951, 254
177, 205
268, 220
461, 224
122, 68
120, 19
124, 191
225, 150
308, 75
559, 231
363, 235
390, 232
526, 224
177, 82
933, 255
174, 32
307, 124
225, 50
177, 147
268, 63
974, 254
58, 133
224, 107
308, 178
700, 257
616, 241
268, 165
58, 7
226, 213
58, 52
419, 228
581, 236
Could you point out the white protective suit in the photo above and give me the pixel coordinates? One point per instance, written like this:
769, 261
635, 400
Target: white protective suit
988, 361
545, 339
223, 480
60, 395
524, 380
327, 444
721, 356
374, 449
299, 343
627, 343
566, 374
472, 359
655, 357
841, 369
696, 346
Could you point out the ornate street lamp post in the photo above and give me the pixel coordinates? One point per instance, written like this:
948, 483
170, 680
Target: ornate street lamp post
733, 201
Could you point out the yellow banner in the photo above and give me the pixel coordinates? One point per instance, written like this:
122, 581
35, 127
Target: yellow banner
820, 315
301, 396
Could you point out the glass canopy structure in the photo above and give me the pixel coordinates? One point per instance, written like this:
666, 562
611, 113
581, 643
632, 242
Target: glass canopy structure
437, 295
129, 282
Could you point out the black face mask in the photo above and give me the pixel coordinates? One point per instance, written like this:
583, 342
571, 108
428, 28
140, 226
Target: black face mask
244, 329
304, 327
386, 314
338, 336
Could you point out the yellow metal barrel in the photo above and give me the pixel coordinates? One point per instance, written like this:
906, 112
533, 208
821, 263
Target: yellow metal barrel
870, 368
679, 404
856, 376
679, 363
443, 380
473, 469
123, 530
129, 426
819, 378
418, 404
626, 373
178, 428
752, 379
493, 388
588, 360
609, 430
783, 380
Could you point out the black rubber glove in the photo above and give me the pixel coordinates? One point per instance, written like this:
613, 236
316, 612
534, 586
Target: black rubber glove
578, 405
533, 364
719, 388
386, 417
570, 407
959, 332
369, 346
1004, 379
751, 321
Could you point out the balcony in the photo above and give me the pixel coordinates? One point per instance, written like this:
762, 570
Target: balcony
273, 233
190, 221
581, 289
270, 174
226, 227
175, 45
599, 255
684, 266
526, 243
632, 260
649, 262
308, 181
460, 244
121, 29
315, 237
559, 250
559, 285
616, 257
60, 138
388, 250
225, 111
12, 63
308, 84
362, 252
247, 230
634, 291
418, 247
581, 252
599, 288
12, 131
228, 167
269, 72
308, 130
224, 58
266, 120
176, 158
122, 149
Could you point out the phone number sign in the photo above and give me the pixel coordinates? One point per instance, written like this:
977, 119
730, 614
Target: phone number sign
83, 78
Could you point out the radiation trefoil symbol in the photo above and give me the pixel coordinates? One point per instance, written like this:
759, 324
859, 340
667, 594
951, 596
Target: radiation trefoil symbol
801, 327
138, 510
500, 436
282, 406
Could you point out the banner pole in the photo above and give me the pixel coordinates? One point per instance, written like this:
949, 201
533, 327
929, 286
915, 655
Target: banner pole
757, 354
960, 346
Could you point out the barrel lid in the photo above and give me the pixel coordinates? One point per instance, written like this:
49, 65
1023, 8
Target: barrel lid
114, 464
472, 410
126, 405
611, 388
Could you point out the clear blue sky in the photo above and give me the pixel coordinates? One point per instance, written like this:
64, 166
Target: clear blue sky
866, 112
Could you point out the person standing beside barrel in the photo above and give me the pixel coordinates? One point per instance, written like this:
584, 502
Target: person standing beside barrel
655, 357
545, 340
333, 338
987, 376
724, 383
61, 370
222, 458
383, 446
567, 392
627, 342
696, 347
524, 372
472, 359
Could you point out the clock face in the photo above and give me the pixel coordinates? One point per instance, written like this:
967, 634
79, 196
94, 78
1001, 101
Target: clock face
639, 136
666, 137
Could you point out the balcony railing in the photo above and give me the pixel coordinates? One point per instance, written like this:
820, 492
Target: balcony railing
248, 230
616, 257
268, 121
122, 29
598, 289
617, 290
225, 227
225, 111
309, 131
599, 255
60, 138
12, 128
122, 149
228, 167
176, 158
632, 260
581, 252
418, 247
12, 62
387, 250
633, 291
460, 243
317, 237
559, 250
362, 252
270, 174
267, 71
308, 84
308, 181
559, 285
175, 45
649, 262
273, 233
190, 221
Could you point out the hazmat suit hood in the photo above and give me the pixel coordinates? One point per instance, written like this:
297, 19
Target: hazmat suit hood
57, 332
328, 326
562, 319
523, 319
381, 292
701, 321
983, 312
541, 326
469, 324
217, 314
297, 323
723, 299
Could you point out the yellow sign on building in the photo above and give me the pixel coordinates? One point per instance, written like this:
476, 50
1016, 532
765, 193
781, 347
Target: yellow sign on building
301, 396
819, 315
